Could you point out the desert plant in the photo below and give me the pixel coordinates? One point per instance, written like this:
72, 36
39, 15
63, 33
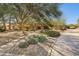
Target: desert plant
23, 44
2, 30
71, 26
34, 39
41, 39
51, 33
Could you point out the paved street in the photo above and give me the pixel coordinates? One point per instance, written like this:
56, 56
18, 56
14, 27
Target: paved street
68, 43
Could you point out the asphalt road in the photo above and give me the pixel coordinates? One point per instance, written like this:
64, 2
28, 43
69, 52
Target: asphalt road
68, 43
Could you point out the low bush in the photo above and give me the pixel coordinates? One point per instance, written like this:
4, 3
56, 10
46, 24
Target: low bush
41, 39
23, 44
71, 26
34, 39
51, 33
2, 30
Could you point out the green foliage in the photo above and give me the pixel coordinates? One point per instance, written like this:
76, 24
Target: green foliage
23, 44
37, 38
51, 33
19, 13
71, 26
41, 39
2, 30
32, 40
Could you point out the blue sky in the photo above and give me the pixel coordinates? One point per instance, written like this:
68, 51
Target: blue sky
70, 12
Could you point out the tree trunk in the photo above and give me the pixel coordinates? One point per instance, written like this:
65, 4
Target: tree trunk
21, 26
4, 24
10, 23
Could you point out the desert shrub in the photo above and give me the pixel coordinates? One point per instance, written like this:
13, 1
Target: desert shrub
2, 30
71, 26
34, 39
51, 33
41, 39
23, 44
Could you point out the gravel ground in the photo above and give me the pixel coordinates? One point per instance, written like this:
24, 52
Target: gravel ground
67, 45
11, 48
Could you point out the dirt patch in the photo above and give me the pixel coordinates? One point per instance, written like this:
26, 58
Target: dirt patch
9, 36
9, 46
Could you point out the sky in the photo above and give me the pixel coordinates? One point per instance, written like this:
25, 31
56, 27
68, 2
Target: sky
70, 12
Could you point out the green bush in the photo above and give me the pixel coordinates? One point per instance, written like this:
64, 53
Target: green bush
23, 44
71, 26
34, 39
2, 30
42, 39
51, 33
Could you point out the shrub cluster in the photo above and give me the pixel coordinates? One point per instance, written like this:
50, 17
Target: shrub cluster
33, 39
51, 33
41, 39
2, 30
23, 44
71, 26
37, 38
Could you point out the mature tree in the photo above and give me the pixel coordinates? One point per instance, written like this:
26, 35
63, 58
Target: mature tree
3, 12
24, 13
39, 12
